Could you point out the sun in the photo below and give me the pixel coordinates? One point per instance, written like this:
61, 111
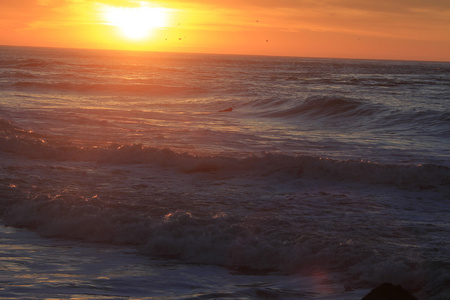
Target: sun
135, 22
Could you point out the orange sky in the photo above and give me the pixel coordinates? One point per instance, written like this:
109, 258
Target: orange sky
382, 29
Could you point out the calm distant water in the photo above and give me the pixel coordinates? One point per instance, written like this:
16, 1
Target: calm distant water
287, 178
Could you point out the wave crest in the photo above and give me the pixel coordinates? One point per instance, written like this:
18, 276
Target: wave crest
29, 144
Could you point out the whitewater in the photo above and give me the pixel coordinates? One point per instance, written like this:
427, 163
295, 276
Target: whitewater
151, 175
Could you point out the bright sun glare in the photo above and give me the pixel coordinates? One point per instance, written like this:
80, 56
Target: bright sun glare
135, 22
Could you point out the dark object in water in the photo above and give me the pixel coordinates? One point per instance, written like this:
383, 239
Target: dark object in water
388, 291
226, 110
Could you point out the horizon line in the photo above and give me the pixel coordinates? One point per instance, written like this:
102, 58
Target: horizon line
230, 54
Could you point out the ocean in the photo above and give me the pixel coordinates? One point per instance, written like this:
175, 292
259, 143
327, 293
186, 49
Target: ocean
144, 175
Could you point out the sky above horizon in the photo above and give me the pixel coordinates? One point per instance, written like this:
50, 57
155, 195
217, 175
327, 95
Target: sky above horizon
383, 29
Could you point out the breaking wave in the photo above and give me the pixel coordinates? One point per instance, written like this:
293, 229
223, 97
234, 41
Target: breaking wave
36, 146
258, 243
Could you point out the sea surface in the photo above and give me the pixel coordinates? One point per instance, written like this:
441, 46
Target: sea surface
142, 175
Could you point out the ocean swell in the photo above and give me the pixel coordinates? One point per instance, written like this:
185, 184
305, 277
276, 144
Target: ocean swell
350, 113
323, 106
